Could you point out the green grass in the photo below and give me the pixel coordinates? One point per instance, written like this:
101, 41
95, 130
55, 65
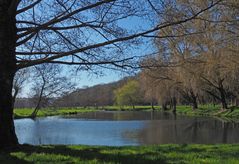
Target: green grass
129, 108
210, 110
203, 110
197, 154
26, 112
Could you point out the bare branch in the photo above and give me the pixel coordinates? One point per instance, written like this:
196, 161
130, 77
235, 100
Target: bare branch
28, 7
61, 18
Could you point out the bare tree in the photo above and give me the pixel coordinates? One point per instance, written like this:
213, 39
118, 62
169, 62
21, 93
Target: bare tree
19, 80
48, 84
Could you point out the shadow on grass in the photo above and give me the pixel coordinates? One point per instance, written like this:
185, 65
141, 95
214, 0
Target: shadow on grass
83, 154
7, 158
143, 154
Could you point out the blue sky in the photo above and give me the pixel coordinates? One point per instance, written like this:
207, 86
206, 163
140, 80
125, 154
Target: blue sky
86, 79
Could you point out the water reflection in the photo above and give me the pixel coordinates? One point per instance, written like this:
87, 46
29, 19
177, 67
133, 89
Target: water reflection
124, 115
125, 128
197, 130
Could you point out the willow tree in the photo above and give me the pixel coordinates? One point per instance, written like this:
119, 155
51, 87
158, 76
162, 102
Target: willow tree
211, 47
203, 51
78, 32
159, 78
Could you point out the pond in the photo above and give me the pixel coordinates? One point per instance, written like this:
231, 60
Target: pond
125, 128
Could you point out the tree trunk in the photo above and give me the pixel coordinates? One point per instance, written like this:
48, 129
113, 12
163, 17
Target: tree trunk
16, 90
223, 96
152, 105
194, 103
7, 71
164, 106
7, 131
174, 103
194, 106
38, 106
170, 104
34, 113
193, 100
224, 104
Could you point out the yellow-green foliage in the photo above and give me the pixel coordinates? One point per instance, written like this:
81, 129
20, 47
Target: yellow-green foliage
128, 94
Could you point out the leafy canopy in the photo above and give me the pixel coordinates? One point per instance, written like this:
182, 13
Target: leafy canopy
128, 94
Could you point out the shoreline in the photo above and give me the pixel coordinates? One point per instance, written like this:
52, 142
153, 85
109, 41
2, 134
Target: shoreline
227, 115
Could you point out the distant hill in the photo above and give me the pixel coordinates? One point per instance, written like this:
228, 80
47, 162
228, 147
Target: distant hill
98, 95
24, 103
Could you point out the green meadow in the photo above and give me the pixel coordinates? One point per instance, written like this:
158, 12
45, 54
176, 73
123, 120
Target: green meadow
183, 154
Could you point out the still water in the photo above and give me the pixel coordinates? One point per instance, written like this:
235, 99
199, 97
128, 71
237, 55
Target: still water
125, 128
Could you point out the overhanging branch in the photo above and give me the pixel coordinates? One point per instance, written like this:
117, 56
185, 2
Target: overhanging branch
108, 42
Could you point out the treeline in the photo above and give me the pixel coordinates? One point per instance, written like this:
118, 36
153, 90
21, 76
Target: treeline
198, 64
98, 95
126, 91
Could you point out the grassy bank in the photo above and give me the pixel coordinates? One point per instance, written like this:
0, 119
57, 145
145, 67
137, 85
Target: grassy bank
210, 110
142, 154
129, 108
26, 112
203, 110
